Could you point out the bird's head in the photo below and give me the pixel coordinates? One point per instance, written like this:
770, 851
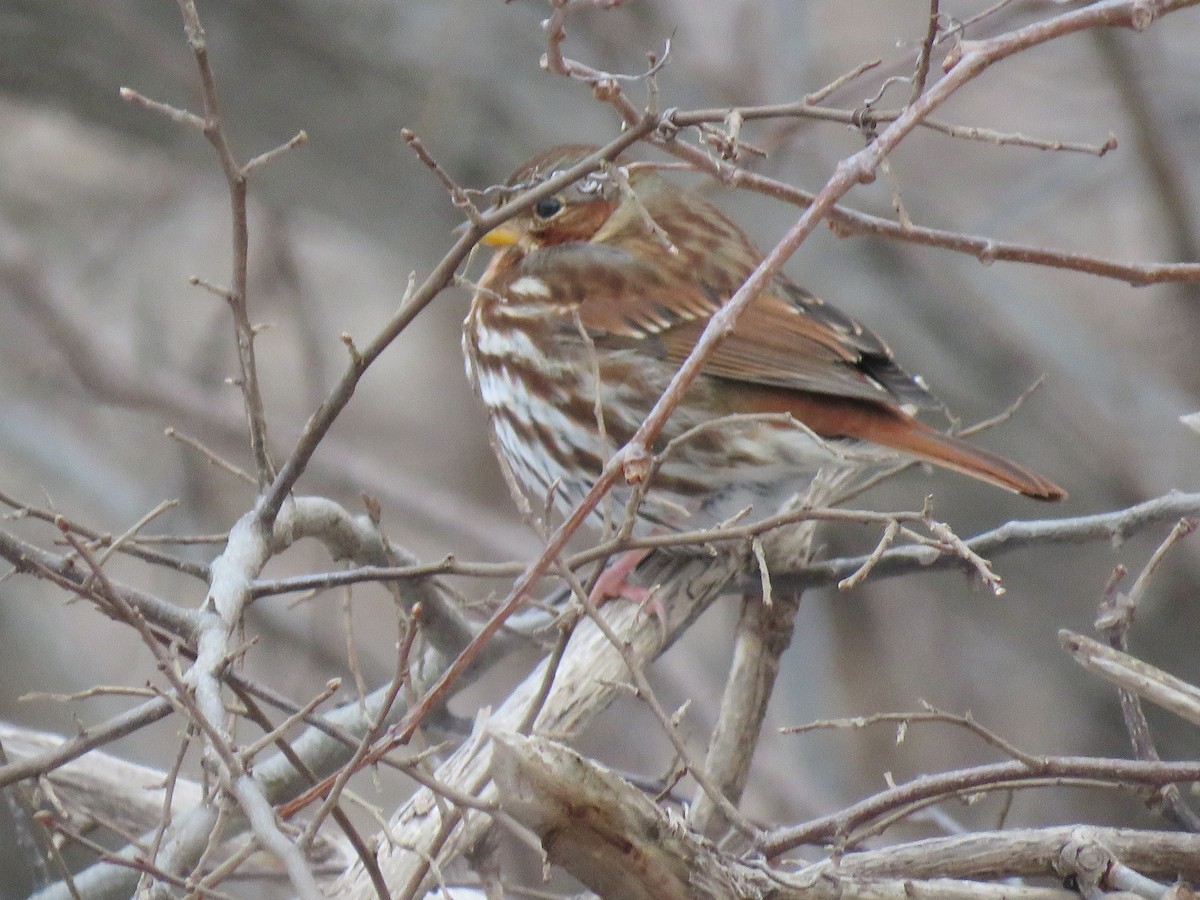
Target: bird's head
577, 213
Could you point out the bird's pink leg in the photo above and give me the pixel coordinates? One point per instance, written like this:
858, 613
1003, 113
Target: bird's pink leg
613, 583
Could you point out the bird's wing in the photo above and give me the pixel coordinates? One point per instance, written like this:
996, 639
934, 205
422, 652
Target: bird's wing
787, 338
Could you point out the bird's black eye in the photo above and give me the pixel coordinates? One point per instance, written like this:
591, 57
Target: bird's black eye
548, 208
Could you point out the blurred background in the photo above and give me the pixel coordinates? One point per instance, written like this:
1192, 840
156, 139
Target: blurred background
106, 210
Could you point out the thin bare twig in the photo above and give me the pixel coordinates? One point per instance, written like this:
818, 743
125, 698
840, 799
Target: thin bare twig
102, 539
928, 714
235, 176
299, 139
458, 196
923, 57
180, 116
1003, 138
992, 776
1116, 525
168, 798
890, 532
815, 97
210, 456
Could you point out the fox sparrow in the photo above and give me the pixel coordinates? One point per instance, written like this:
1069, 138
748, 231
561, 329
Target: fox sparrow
586, 311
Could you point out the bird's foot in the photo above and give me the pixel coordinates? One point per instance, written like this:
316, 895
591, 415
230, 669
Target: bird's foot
613, 583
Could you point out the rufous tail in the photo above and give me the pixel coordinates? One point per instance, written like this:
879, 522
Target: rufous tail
883, 423
956, 454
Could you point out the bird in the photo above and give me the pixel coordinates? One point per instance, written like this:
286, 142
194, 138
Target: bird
592, 299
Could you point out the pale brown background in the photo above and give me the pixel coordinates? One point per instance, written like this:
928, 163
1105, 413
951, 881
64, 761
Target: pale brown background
115, 208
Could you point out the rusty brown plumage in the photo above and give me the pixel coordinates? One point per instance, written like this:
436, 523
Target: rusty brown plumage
583, 316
